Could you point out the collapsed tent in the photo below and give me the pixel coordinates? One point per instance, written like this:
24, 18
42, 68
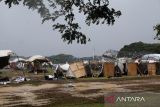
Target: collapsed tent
64, 70
87, 68
35, 63
18, 60
78, 69
96, 68
121, 65
4, 57
74, 70
38, 58
17, 63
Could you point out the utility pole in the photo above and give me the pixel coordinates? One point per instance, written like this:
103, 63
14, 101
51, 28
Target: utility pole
93, 53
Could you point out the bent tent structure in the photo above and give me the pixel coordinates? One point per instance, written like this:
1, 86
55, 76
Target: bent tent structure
18, 63
18, 60
4, 58
64, 70
74, 70
38, 58
36, 61
96, 68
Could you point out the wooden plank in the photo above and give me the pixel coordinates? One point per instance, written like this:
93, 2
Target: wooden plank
151, 69
132, 69
78, 69
108, 70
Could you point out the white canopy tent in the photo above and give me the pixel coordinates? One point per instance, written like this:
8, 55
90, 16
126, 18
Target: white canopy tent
18, 60
37, 57
151, 58
5, 53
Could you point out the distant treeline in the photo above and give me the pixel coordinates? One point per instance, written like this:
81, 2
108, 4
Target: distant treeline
133, 50
63, 58
138, 49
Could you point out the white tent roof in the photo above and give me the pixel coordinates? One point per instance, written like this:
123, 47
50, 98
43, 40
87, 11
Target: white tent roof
152, 55
65, 66
18, 59
155, 57
5, 53
37, 57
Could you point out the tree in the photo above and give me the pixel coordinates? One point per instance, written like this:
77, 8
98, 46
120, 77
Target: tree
96, 12
137, 49
157, 29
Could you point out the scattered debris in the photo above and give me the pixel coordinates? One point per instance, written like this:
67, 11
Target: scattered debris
50, 77
20, 79
4, 81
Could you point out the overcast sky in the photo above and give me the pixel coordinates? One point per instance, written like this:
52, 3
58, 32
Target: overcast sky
21, 30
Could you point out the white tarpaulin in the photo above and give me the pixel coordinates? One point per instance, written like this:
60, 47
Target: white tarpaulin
150, 58
66, 67
74, 70
18, 60
37, 57
5, 53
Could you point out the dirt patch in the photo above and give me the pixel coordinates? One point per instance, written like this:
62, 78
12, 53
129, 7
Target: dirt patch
91, 91
59, 98
146, 87
69, 92
103, 87
43, 94
24, 94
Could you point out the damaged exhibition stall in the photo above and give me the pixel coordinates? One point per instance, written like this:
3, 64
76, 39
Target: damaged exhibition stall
121, 63
78, 69
63, 70
35, 63
152, 62
18, 63
96, 68
73, 70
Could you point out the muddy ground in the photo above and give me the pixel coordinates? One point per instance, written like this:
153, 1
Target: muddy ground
66, 93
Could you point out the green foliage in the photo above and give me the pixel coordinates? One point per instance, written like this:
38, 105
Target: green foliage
138, 48
96, 12
10, 2
157, 29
